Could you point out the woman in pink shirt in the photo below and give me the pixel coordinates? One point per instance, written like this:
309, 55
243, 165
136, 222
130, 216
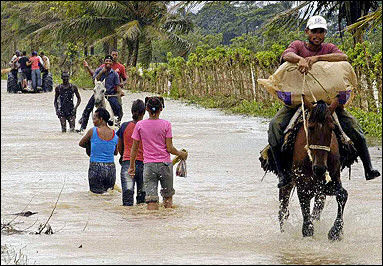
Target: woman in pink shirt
156, 137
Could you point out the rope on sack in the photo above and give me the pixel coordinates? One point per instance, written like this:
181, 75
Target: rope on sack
304, 116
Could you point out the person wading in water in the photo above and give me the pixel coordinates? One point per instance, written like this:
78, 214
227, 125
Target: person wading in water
103, 146
63, 102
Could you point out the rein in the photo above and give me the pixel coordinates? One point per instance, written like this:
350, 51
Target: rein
304, 116
305, 122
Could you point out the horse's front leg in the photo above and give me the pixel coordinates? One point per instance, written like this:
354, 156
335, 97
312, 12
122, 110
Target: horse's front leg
318, 206
284, 197
308, 227
336, 231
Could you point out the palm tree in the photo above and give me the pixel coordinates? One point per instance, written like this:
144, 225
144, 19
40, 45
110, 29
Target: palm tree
135, 22
347, 12
371, 20
16, 26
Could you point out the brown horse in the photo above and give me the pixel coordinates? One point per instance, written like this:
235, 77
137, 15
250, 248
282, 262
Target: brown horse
315, 159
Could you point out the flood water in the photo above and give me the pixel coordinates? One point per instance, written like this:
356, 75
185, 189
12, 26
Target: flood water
223, 213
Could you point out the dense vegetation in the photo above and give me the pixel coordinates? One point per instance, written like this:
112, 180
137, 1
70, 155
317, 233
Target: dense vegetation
212, 57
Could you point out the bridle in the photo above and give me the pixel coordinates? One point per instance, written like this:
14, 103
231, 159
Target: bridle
319, 147
308, 146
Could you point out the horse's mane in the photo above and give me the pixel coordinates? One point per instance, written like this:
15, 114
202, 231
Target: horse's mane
319, 112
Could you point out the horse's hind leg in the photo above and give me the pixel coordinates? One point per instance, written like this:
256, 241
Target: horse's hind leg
284, 197
318, 206
336, 231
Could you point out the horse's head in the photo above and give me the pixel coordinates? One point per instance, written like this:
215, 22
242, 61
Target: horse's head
99, 92
320, 126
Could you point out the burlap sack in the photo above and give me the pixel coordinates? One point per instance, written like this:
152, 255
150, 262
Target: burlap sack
332, 78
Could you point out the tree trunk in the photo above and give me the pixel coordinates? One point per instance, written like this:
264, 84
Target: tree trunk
85, 50
92, 50
105, 47
136, 46
14, 46
115, 43
130, 52
146, 53
123, 50
354, 11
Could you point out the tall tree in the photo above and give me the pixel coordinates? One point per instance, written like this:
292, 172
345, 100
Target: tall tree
136, 22
347, 12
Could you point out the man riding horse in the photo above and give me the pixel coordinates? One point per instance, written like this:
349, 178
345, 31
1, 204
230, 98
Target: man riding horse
305, 54
112, 81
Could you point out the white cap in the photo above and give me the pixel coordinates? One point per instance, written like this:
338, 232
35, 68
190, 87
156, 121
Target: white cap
316, 22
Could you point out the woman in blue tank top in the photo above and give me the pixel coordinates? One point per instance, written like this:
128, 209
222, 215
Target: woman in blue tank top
103, 147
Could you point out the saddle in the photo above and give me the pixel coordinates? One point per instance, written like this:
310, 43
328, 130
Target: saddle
348, 153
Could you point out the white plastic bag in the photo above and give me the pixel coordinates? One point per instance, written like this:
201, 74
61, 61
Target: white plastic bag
181, 169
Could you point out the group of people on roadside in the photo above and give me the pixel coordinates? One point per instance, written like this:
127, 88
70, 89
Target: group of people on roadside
28, 69
144, 145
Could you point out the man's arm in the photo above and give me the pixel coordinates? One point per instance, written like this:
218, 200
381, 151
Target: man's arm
292, 57
78, 97
336, 57
123, 76
13, 61
121, 86
303, 64
56, 97
117, 87
120, 134
41, 61
99, 74
90, 71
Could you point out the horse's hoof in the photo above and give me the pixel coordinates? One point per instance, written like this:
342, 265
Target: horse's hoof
308, 230
372, 174
336, 231
335, 234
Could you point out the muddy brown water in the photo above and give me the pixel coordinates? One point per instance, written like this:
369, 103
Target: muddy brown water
223, 213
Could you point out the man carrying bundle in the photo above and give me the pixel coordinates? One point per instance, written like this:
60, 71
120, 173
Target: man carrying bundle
305, 54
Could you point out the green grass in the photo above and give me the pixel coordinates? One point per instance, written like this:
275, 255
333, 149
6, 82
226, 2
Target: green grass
4, 76
371, 122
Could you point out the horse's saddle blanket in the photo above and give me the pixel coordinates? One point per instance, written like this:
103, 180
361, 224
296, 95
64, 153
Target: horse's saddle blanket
348, 153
